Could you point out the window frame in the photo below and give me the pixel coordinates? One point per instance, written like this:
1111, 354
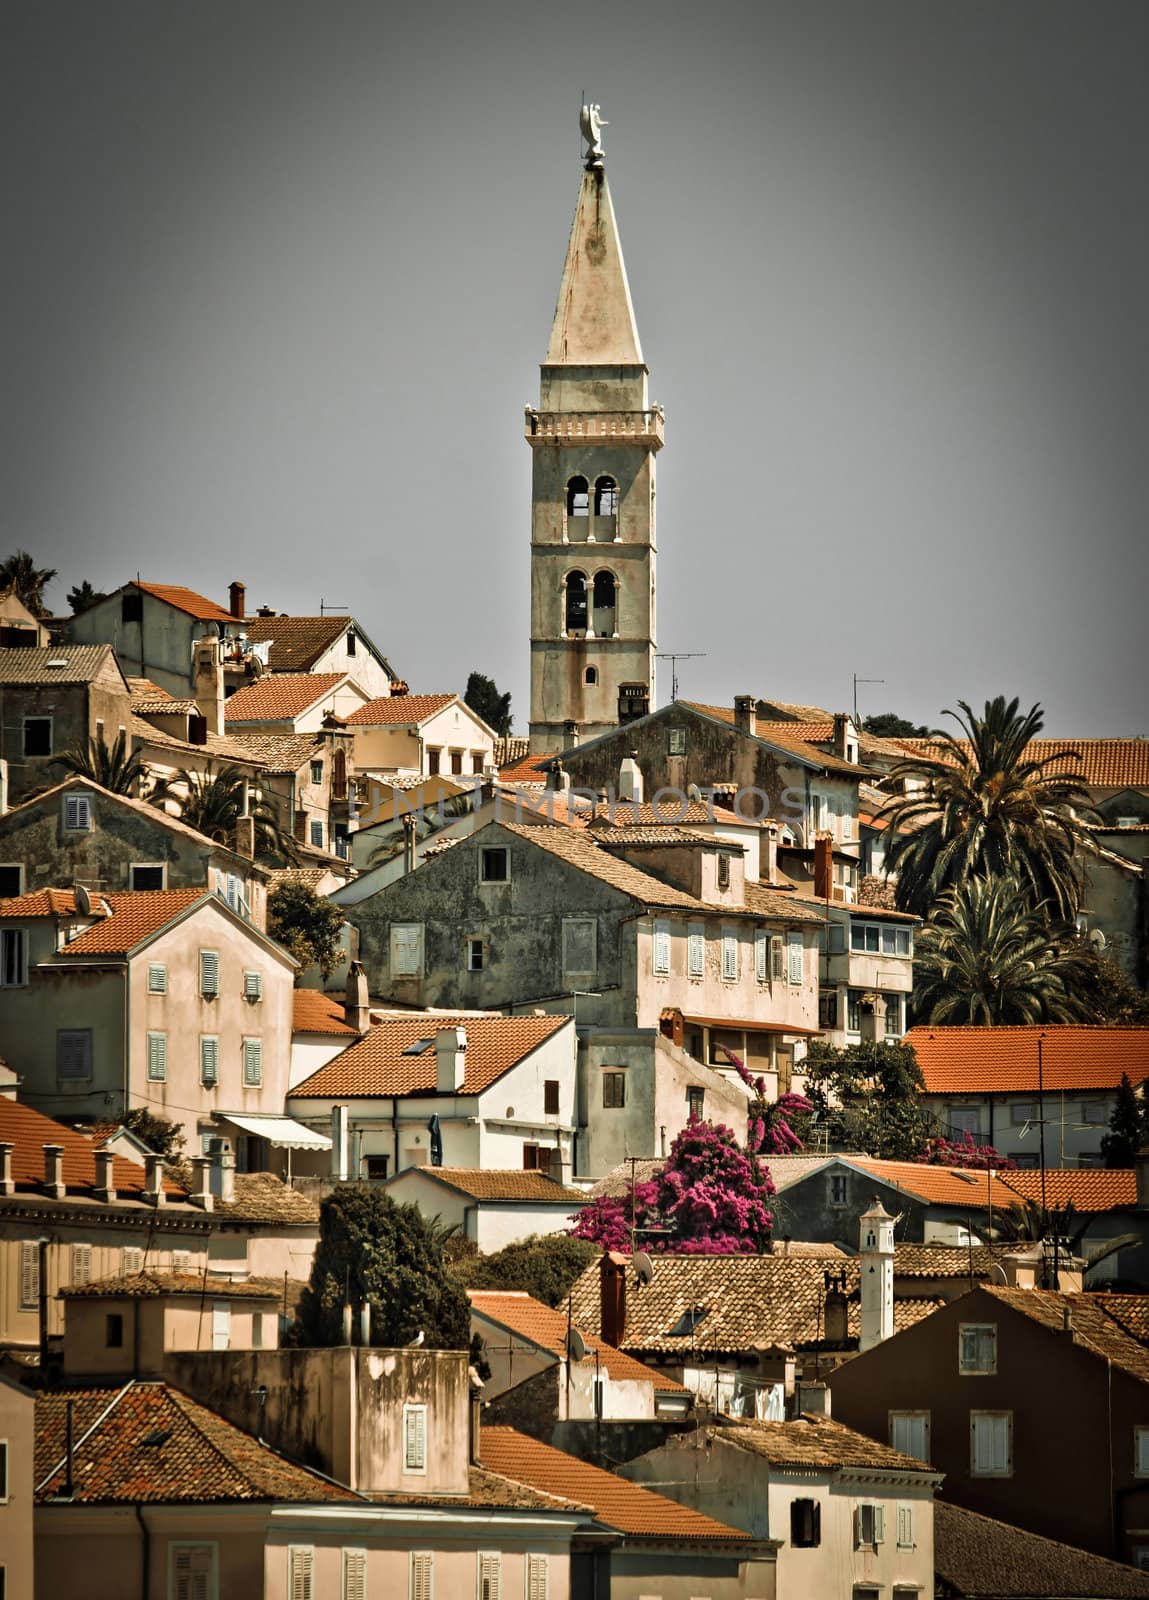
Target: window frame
156, 1064
206, 958
421, 1566
176, 1545
209, 1076
924, 1418
998, 1415
301, 1556
252, 1058
147, 866
1141, 1452
157, 977
814, 1539
316, 774
252, 990
572, 928
29, 1292
415, 1433
875, 1512
984, 1328
475, 955
37, 755
552, 1097
616, 1078
696, 950
730, 955
397, 933
18, 868
15, 940
660, 948
795, 947
487, 855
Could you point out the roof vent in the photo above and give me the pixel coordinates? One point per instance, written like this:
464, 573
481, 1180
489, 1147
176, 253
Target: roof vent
418, 1047
59, 661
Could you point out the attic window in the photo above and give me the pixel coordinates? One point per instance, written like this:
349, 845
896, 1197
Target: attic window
351, 642
418, 1047
687, 1322
157, 1437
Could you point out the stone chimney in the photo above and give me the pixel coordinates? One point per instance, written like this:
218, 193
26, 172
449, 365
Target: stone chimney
236, 597
105, 1184
746, 713
222, 1158
450, 1059
208, 678
768, 865
356, 1002
837, 1309
630, 778
845, 737
873, 1019
54, 1171
876, 1260
154, 1180
558, 778
612, 1297
823, 868
7, 1181
570, 735
201, 1194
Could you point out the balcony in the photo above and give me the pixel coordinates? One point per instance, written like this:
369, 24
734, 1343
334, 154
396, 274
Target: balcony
594, 427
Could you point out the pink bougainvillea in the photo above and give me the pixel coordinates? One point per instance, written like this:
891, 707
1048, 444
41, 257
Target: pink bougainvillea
768, 1128
964, 1152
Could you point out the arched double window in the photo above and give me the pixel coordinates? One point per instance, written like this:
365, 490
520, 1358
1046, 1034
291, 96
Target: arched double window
575, 611
605, 497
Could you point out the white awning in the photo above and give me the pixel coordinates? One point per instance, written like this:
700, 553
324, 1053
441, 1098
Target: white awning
282, 1132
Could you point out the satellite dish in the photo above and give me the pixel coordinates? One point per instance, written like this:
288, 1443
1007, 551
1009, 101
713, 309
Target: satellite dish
577, 1348
643, 1266
83, 900
1097, 939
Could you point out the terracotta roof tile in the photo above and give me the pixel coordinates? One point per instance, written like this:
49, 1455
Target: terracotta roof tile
525, 770
778, 735
28, 1131
1004, 1060
79, 664
40, 903
949, 1260
279, 752
661, 836
398, 709
187, 600
952, 1186
1100, 763
154, 1285
812, 732
280, 696
580, 851
218, 745
510, 1185
136, 915
530, 1319
318, 1013
979, 1558
1088, 1188
150, 1443
148, 699
1089, 1325
378, 1063
616, 1502
488, 1491
296, 642
262, 1197
814, 1441
1130, 1310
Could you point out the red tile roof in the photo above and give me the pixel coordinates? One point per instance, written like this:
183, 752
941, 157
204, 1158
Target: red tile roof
396, 710
1089, 1188
948, 1186
781, 735
511, 1185
616, 1503
1004, 1060
1084, 1318
1100, 763
280, 696
378, 1063
815, 1441
811, 732
40, 903
136, 915
187, 600
526, 769
28, 1131
531, 1320
296, 642
318, 1013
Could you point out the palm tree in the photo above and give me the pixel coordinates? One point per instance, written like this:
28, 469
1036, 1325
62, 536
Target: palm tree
981, 807
213, 803
989, 958
27, 581
115, 767
1028, 1222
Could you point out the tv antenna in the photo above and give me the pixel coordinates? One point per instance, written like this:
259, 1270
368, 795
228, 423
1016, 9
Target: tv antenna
857, 681
674, 657
326, 607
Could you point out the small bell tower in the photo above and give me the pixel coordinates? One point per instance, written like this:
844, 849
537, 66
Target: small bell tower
876, 1260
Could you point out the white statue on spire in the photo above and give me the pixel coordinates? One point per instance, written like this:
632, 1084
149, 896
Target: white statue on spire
591, 124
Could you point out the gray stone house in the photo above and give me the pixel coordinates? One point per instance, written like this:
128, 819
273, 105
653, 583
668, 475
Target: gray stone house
55, 698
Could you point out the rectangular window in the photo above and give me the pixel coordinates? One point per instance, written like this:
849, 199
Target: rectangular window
81, 1264
836, 939
990, 1444
422, 1582
695, 1102
724, 871
729, 954
1022, 1111
406, 949
253, 1063
794, 956
209, 974
1141, 1452
661, 947
433, 762
1094, 1111
474, 955
352, 642
456, 763
3, 1483
37, 736
854, 1011
414, 1438
494, 866
13, 958
893, 1016
805, 1524
29, 1275
77, 813
613, 1090
208, 1060
354, 1575
828, 1009
11, 880
977, 1348
317, 772
838, 1189
550, 1097
221, 1325
300, 1572
192, 1572
157, 978
869, 1524
910, 1433
777, 958
73, 1055
490, 1575
478, 761
253, 986
538, 1158
905, 1527
113, 1331
676, 742
538, 1577
580, 946
147, 876
377, 1168
157, 1057
316, 833
965, 1119
696, 950
181, 1259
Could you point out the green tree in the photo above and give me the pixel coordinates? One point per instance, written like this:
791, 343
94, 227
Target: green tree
83, 596
213, 803
27, 581
113, 766
485, 701
988, 958
868, 1097
981, 807
888, 725
306, 925
373, 1251
1104, 994
545, 1266
164, 1137
1128, 1126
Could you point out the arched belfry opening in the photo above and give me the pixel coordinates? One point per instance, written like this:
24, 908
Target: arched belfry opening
605, 497
604, 619
575, 612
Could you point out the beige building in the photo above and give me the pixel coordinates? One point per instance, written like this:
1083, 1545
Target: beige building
493, 1209
154, 629
20, 629
17, 1482
310, 779
320, 644
291, 702
124, 1326
421, 736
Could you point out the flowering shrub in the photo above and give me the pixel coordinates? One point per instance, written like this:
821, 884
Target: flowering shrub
769, 1125
963, 1152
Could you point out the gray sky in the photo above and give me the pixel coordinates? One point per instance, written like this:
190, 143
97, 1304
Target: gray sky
278, 278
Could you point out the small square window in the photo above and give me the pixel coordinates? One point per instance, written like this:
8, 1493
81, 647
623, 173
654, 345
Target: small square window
157, 979
805, 1524
77, 813
613, 1090
37, 736
977, 1348
148, 876
11, 880
494, 866
376, 1167
676, 741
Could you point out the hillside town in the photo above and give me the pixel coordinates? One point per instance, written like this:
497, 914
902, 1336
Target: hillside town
679, 1150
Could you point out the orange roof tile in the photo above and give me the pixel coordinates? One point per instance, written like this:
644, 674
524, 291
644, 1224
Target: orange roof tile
280, 696
1086, 1321
391, 710
616, 1503
40, 903
187, 600
379, 1063
318, 1013
1004, 1060
526, 769
781, 735
947, 1186
136, 915
511, 1185
810, 732
1088, 1188
1100, 763
522, 1314
28, 1131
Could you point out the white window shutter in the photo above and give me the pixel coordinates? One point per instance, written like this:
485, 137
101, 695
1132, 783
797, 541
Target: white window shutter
422, 1575
661, 947
131, 1259
157, 978
29, 1274
181, 1260
300, 1571
794, 948
490, 1576
221, 1325
157, 1057
81, 1263
538, 1578
354, 1575
252, 1063
906, 1527
209, 1061
209, 973
253, 985
415, 1438
879, 1524
729, 954
777, 959
696, 951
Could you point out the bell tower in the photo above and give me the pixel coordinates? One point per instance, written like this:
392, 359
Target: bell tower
593, 441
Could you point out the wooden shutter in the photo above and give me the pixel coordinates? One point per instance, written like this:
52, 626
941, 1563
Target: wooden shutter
252, 1063
761, 954
661, 946
696, 950
193, 1571
157, 978
422, 1575
879, 1524
777, 959
794, 951
29, 1275
906, 1527
991, 1442
538, 1578
1141, 1436
78, 813
181, 1260
73, 1053
221, 1327
354, 1575
910, 1433
131, 1259
157, 1057
81, 1263
415, 1438
209, 973
729, 954
253, 985
300, 1571
490, 1576
208, 1061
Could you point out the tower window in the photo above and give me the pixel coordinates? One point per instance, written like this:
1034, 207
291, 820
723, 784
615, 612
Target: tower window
576, 602
592, 675
605, 497
604, 591
578, 498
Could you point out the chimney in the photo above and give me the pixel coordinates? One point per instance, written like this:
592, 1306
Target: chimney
876, 1261
475, 1431
207, 673
813, 1399
54, 1171
7, 1182
357, 1003
837, 1309
845, 737
630, 778
823, 868
612, 1296
450, 1059
222, 1158
245, 837
399, 687
746, 713
558, 778
873, 1019
339, 1143
104, 1187
570, 735
1141, 1166
154, 1179
201, 1194
768, 867
236, 595
265, 611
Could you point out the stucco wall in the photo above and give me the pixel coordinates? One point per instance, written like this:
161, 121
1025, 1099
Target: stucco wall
17, 1430
106, 1545
453, 1547
163, 1324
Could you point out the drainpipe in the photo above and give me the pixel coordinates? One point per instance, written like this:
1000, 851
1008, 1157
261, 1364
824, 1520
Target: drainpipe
145, 1553
395, 1133
43, 1298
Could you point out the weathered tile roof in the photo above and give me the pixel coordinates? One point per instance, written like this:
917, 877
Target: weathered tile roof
262, 1197
28, 1131
396, 710
815, 1441
511, 1185
80, 663
318, 1013
279, 752
311, 876
136, 915
149, 1443
148, 699
950, 1186
216, 746
1100, 763
489, 1491
378, 1063
580, 851
948, 1260
1083, 1318
616, 1503
187, 600
1088, 1188
662, 836
510, 748
1004, 1060
813, 731
155, 1285
1130, 1310
40, 903
979, 1558
296, 642
766, 902
280, 696
530, 1319
785, 741
525, 771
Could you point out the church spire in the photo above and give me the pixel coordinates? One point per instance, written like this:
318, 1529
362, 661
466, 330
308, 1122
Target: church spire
594, 319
